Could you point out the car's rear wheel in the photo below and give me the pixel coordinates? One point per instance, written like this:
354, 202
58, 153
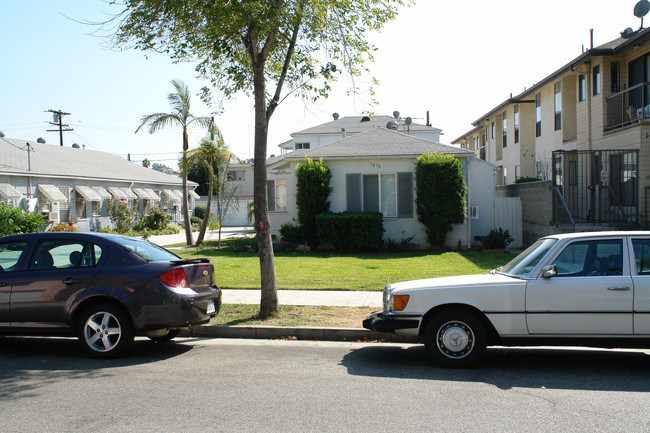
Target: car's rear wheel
163, 335
455, 338
105, 330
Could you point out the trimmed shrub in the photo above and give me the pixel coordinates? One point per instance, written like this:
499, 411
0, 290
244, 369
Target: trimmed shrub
441, 189
292, 234
16, 221
349, 231
199, 211
313, 189
526, 179
156, 219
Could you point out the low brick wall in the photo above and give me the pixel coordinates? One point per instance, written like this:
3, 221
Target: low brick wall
537, 207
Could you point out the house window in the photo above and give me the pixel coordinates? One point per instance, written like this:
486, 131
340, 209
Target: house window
492, 135
558, 106
615, 77
473, 212
80, 204
582, 88
277, 195
516, 123
538, 115
517, 172
596, 73
236, 175
504, 129
302, 146
391, 194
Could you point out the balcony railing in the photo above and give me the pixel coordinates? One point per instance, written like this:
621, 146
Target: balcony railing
628, 107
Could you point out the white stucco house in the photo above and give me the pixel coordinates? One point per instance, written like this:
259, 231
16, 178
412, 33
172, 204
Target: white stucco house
71, 184
374, 171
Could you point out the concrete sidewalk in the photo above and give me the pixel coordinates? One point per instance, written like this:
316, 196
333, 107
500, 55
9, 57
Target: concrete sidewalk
333, 298
179, 238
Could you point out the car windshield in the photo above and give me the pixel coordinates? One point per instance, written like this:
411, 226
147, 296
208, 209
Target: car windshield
524, 263
148, 251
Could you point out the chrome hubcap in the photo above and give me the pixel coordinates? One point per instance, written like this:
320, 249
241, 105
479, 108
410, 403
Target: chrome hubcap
102, 331
455, 339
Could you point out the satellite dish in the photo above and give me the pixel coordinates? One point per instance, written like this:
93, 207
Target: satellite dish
40, 140
627, 33
2, 134
392, 125
76, 146
642, 8
335, 116
396, 114
408, 121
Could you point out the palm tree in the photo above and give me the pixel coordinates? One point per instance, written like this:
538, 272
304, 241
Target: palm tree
180, 115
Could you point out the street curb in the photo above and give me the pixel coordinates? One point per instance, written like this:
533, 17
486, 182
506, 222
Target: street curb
298, 333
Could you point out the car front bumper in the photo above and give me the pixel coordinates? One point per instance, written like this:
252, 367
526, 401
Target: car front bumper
380, 322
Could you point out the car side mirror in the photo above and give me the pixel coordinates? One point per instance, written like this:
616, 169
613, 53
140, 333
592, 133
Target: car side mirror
549, 271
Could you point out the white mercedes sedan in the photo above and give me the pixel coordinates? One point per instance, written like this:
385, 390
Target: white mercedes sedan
578, 289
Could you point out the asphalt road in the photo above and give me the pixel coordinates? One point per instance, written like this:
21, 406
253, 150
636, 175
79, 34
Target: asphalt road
224, 385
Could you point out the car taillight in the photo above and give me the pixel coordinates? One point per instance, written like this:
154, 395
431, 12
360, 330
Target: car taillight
175, 278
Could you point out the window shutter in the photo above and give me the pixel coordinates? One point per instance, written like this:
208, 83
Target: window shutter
270, 195
405, 195
353, 186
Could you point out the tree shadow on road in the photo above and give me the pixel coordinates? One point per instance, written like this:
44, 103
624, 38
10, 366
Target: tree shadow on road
507, 368
30, 363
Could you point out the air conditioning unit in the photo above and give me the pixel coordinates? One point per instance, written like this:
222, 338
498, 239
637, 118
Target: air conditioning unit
53, 217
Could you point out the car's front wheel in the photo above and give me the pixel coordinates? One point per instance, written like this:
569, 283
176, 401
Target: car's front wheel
455, 338
105, 330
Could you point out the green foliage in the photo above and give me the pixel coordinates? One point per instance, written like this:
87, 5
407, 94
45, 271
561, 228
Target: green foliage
350, 231
526, 179
214, 223
16, 221
156, 219
394, 246
497, 239
441, 189
292, 234
198, 172
313, 189
121, 215
199, 211
64, 227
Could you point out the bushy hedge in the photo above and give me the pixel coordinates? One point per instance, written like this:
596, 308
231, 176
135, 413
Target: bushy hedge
349, 231
199, 211
292, 234
313, 189
16, 221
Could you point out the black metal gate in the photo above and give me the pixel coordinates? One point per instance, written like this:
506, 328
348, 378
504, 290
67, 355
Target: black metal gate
598, 187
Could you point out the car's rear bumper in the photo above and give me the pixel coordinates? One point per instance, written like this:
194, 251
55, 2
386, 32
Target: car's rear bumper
380, 322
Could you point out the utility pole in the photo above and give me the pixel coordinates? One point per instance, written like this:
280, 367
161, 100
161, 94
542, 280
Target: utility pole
57, 120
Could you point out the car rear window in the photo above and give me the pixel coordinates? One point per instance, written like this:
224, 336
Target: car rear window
148, 251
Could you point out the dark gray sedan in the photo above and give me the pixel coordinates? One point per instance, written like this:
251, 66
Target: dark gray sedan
105, 289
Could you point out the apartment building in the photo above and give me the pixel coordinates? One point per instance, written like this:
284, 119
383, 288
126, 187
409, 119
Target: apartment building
586, 128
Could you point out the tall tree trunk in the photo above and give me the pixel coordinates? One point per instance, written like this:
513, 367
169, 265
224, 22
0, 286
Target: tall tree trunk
206, 217
269, 297
185, 208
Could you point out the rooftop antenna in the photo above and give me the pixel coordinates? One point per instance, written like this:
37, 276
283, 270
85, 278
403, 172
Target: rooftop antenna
641, 9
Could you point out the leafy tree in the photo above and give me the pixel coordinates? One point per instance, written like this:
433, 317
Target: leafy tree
161, 168
440, 188
268, 48
313, 178
180, 116
15, 221
198, 172
146, 163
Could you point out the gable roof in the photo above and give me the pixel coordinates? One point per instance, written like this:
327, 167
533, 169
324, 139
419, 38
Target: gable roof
47, 160
356, 124
374, 143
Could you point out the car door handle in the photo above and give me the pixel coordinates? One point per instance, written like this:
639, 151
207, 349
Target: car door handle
619, 289
71, 281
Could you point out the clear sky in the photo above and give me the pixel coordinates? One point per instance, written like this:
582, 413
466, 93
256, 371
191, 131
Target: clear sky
455, 59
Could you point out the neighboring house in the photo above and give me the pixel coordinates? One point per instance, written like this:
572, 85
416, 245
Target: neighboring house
71, 184
241, 177
338, 128
373, 171
585, 128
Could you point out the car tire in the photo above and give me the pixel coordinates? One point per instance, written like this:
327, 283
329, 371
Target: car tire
105, 330
161, 338
455, 338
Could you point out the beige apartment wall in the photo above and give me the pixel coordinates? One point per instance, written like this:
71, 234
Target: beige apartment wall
527, 139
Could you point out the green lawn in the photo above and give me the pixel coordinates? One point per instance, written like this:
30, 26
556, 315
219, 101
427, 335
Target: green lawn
311, 271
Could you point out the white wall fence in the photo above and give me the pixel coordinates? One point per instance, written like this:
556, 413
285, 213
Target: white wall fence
508, 215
